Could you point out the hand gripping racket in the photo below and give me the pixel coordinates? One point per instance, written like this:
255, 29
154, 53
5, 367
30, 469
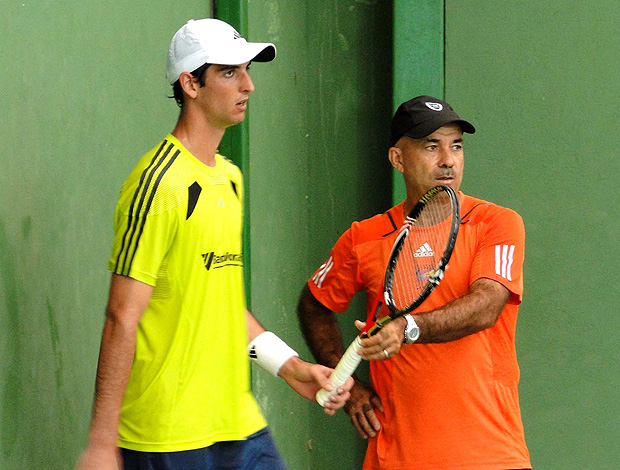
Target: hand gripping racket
416, 265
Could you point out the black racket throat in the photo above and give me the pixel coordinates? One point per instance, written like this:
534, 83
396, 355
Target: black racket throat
380, 324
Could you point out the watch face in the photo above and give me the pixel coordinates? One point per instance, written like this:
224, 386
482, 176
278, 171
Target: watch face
412, 332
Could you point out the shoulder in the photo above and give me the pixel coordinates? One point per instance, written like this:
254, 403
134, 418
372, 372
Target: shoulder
231, 170
490, 217
157, 183
376, 227
475, 211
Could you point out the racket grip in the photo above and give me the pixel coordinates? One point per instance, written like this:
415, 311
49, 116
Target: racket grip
345, 368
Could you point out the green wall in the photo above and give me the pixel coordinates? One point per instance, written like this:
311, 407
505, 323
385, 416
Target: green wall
83, 96
539, 82
318, 160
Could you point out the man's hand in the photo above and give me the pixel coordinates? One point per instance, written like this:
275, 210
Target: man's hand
97, 458
307, 379
386, 343
361, 409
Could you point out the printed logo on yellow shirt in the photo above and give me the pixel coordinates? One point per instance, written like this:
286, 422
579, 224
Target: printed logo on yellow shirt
213, 260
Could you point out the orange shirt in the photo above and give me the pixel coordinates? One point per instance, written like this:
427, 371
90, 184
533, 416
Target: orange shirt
451, 405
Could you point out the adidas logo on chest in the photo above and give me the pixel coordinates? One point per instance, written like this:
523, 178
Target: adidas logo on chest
424, 251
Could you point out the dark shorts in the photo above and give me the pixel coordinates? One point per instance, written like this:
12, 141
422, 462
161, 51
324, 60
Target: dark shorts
257, 452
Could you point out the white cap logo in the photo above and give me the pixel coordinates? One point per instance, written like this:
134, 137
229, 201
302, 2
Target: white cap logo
434, 106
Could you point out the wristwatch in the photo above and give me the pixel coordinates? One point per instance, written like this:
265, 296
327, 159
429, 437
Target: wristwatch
412, 331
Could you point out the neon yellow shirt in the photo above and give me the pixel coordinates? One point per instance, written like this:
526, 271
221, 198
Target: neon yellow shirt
178, 228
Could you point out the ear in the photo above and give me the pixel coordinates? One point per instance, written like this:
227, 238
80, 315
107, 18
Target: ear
395, 156
189, 85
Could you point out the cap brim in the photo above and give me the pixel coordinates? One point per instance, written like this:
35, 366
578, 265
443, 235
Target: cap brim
267, 54
466, 126
245, 52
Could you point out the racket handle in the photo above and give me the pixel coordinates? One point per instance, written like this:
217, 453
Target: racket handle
345, 368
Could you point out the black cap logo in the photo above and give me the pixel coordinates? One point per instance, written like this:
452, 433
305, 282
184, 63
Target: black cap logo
434, 106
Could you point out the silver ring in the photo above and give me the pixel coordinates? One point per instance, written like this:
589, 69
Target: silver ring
387, 354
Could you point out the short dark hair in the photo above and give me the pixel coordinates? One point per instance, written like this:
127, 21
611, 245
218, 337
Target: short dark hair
200, 75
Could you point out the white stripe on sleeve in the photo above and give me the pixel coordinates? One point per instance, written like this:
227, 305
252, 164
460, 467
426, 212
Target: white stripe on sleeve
504, 257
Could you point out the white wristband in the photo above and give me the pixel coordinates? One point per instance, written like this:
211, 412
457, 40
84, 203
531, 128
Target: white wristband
270, 352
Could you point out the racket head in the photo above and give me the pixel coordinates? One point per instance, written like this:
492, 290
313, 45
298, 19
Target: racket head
422, 250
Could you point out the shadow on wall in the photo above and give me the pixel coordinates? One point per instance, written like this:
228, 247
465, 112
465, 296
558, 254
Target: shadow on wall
36, 417
10, 379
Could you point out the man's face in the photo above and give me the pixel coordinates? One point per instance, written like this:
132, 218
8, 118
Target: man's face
430, 161
225, 94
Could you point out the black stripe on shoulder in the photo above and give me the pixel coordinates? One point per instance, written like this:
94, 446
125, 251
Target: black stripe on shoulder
463, 219
149, 202
393, 225
135, 214
133, 203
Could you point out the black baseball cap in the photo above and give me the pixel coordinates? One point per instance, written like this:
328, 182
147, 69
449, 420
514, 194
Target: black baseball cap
422, 116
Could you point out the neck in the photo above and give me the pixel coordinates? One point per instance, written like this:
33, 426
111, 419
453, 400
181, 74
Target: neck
198, 136
410, 202
413, 199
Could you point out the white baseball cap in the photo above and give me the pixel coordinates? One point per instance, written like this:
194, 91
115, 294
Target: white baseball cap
211, 41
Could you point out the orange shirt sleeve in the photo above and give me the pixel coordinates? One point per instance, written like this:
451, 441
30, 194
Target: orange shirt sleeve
338, 279
501, 250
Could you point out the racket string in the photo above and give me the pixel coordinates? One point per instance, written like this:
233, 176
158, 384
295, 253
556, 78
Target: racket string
422, 250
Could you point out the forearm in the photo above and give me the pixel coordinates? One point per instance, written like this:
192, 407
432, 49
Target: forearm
467, 315
254, 327
127, 302
320, 329
116, 356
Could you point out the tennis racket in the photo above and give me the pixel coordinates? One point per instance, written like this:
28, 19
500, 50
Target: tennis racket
416, 265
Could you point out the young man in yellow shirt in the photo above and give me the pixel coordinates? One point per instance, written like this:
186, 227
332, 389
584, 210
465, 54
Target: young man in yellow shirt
173, 388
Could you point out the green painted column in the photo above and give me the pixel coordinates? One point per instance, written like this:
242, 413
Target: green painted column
235, 143
418, 58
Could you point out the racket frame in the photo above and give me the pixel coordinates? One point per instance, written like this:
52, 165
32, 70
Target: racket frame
437, 275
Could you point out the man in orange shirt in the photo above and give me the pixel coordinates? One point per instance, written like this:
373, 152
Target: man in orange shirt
444, 379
